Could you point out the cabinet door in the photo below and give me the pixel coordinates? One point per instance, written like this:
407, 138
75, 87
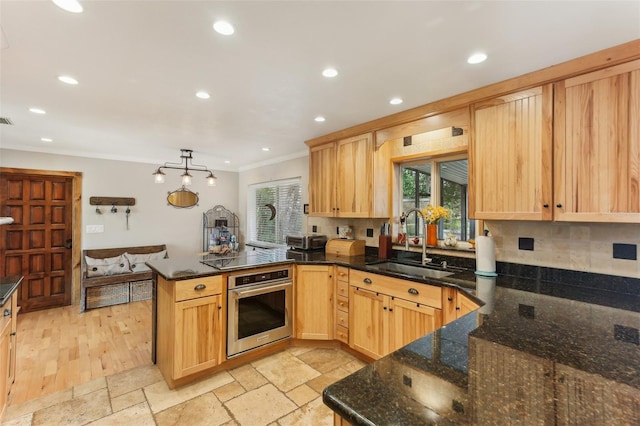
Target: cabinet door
597, 146
511, 156
368, 322
322, 180
354, 177
5, 338
314, 302
411, 321
589, 399
198, 335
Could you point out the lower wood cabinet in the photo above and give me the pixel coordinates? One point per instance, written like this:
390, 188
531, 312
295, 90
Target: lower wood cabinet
455, 304
190, 326
380, 322
314, 302
8, 328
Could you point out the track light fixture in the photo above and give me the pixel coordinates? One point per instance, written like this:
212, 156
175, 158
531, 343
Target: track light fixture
186, 164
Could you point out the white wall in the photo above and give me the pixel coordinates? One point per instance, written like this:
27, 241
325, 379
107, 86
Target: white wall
152, 220
297, 167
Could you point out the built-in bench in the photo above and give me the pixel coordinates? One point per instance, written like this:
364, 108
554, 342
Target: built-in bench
112, 276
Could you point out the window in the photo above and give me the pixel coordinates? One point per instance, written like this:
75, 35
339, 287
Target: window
438, 182
274, 210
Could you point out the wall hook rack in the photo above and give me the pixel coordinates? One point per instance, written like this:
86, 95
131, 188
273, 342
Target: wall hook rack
112, 201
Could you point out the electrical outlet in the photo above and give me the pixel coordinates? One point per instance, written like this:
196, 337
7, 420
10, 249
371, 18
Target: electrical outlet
525, 243
369, 232
95, 229
314, 228
406, 380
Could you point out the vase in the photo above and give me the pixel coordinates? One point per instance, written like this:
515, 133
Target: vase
432, 235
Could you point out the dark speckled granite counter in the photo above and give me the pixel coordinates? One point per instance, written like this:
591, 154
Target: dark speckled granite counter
8, 286
543, 340
537, 351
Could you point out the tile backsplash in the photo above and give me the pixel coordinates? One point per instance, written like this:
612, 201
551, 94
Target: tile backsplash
587, 247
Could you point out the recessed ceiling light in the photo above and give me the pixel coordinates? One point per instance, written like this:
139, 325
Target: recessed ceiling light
396, 101
46, 139
223, 27
319, 119
227, 162
67, 79
477, 58
73, 6
203, 95
330, 72
265, 149
37, 111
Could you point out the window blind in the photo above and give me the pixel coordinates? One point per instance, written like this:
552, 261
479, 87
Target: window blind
274, 210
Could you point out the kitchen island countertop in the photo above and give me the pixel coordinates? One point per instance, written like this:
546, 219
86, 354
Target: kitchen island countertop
8, 285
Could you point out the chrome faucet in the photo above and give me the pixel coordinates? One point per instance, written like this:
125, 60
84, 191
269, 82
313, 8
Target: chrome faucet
425, 259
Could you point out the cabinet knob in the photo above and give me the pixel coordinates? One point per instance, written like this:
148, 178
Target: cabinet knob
457, 308
367, 281
200, 287
413, 291
390, 309
450, 299
559, 205
384, 307
545, 205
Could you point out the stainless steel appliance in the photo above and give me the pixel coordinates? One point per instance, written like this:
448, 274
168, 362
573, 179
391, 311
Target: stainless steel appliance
260, 304
306, 242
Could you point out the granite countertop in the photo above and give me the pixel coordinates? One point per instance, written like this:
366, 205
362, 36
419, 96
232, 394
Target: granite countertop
448, 377
8, 286
586, 322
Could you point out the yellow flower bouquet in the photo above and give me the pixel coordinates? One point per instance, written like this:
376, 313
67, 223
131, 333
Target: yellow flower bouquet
433, 214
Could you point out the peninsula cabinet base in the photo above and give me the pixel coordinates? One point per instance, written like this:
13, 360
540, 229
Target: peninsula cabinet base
229, 364
339, 421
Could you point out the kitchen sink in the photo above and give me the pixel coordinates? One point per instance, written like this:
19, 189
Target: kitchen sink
402, 268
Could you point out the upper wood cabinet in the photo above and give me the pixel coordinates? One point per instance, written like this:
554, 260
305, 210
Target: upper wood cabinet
510, 156
597, 146
341, 178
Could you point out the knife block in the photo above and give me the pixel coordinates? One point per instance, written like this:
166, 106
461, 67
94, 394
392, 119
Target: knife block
384, 247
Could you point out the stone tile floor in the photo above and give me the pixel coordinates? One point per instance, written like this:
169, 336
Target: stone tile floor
280, 390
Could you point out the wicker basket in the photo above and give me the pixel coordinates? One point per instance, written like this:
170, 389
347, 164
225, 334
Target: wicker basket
107, 295
140, 290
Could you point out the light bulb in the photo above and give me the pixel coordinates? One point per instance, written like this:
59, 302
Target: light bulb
186, 179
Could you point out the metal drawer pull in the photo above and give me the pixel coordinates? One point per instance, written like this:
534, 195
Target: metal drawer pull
200, 287
367, 281
413, 291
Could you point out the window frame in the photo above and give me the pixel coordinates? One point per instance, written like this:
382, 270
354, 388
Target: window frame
280, 232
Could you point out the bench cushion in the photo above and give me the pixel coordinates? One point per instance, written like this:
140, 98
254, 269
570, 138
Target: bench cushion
107, 266
137, 261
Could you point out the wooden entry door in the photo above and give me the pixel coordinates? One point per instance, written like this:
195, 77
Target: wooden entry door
38, 244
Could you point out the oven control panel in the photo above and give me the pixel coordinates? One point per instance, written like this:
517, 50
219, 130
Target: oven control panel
260, 277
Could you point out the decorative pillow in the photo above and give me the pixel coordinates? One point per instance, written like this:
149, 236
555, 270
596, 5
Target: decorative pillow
107, 266
137, 261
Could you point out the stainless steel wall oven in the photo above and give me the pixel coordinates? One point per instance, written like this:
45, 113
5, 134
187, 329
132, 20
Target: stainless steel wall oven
259, 310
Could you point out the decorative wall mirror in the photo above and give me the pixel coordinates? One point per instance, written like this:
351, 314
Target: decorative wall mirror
182, 198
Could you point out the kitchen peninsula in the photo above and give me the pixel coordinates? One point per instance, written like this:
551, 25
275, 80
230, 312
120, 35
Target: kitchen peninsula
546, 346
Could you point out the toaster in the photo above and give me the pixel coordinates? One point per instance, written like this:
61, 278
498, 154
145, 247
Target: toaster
306, 242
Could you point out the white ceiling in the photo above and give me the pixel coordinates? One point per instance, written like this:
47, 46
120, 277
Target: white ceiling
139, 64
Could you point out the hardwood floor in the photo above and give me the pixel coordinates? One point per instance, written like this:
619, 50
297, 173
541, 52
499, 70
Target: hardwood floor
61, 347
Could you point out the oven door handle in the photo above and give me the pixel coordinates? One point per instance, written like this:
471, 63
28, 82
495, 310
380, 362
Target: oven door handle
260, 290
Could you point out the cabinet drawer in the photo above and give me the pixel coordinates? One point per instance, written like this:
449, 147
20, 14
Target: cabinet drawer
197, 287
343, 289
342, 334
342, 273
427, 294
342, 303
342, 319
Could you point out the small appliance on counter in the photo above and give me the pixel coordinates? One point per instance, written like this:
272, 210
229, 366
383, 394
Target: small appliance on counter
341, 247
306, 242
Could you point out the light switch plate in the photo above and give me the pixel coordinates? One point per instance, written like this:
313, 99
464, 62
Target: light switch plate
95, 229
